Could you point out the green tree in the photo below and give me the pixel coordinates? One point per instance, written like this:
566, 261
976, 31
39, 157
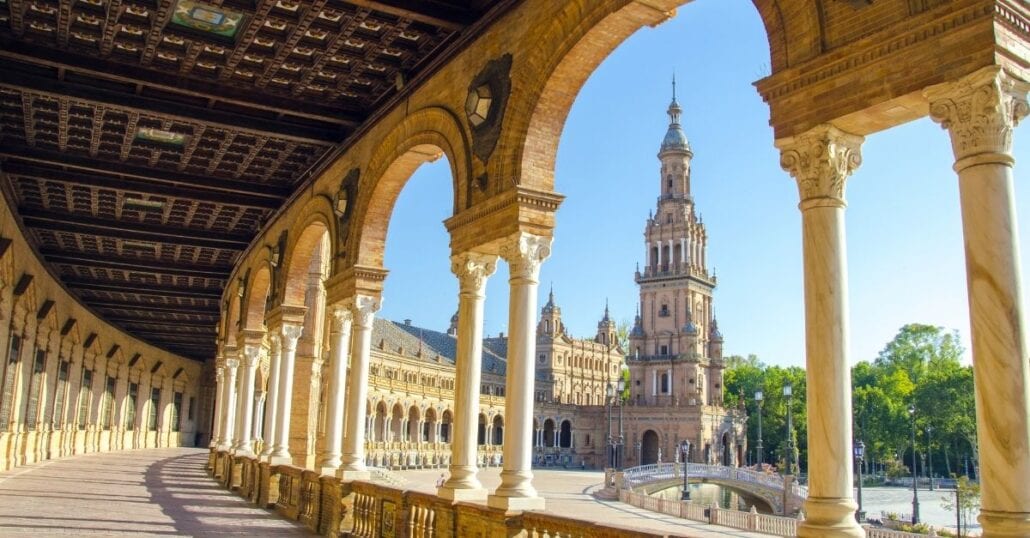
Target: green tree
966, 502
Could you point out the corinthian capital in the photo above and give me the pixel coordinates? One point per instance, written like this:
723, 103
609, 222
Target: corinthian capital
820, 160
219, 374
291, 333
251, 355
342, 315
472, 270
231, 365
980, 111
524, 253
274, 344
364, 310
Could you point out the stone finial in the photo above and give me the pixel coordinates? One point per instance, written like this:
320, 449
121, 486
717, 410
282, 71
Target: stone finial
821, 159
980, 112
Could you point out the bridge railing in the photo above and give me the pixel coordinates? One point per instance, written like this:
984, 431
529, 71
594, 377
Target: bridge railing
644, 474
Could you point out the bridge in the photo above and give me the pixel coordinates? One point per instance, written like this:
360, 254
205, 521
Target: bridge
783, 494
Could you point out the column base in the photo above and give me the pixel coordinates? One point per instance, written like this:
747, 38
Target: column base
280, 460
328, 470
515, 503
1004, 524
349, 474
461, 494
830, 517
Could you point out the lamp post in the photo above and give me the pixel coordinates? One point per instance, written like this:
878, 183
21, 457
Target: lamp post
620, 446
915, 489
788, 391
758, 399
685, 452
929, 455
610, 393
859, 455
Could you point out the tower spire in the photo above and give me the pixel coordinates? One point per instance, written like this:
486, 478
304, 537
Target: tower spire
673, 86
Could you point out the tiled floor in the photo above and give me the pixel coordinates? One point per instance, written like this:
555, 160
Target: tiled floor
157, 492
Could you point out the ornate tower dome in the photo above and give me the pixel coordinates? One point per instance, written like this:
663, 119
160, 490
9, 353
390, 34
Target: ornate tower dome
675, 139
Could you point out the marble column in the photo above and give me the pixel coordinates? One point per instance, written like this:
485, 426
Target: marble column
251, 359
217, 433
363, 310
272, 398
821, 160
281, 450
524, 254
259, 411
980, 112
339, 349
229, 416
472, 270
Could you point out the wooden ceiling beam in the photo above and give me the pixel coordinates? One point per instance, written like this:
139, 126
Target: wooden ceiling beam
437, 15
61, 257
123, 170
101, 180
169, 81
115, 100
133, 231
162, 309
162, 322
156, 291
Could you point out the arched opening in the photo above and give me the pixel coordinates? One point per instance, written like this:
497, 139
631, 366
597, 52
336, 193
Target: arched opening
379, 422
498, 430
481, 429
396, 430
413, 430
445, 426
549, 433
565, 436
727, 449
429, 427
649, 448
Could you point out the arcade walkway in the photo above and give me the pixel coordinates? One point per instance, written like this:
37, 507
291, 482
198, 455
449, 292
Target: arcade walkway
133, 493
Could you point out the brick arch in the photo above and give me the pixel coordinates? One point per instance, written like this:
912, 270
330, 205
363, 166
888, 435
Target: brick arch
315, 225
420, 137
580, 35
232, 318
256, 296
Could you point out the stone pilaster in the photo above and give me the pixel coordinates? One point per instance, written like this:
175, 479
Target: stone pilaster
524, 253
272, 399
472, 270
339, 349
821, 160
363, 310
232, 365
281, 450
980, 112
251, 359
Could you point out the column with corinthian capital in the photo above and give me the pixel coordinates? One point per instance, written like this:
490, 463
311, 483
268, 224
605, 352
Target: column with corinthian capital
472, 270
821, 160
339, 349
363, 310
251, 359
980, 112
229, 411
281, 450
217, 435
271, 399
524, 254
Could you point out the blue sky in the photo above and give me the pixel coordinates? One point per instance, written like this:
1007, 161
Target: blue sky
903, 223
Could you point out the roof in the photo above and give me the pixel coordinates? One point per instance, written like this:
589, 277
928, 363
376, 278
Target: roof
392, 337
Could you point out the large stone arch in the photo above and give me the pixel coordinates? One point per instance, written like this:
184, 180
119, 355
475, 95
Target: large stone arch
316, 221
580, 35
256, 298
420, 137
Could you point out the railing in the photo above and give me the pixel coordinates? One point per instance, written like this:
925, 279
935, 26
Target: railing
877, 532
654, 472
385, 475
750, 521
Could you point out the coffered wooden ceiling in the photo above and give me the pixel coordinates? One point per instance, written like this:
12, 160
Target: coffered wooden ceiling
144, 143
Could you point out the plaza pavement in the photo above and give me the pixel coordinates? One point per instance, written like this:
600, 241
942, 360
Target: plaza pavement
166, 492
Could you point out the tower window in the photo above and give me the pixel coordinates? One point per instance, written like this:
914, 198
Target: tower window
664, 312
665, 350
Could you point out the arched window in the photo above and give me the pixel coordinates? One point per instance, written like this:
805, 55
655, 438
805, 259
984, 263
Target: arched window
665, 383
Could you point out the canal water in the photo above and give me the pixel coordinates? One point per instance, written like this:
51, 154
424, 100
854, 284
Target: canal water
709, 494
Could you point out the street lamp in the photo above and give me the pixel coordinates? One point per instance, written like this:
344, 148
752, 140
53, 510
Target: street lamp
609, 392
758, 400
788, 391
915, 493
859, 455
929, 454
685, 451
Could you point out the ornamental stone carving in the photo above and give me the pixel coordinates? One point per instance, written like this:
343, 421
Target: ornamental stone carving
274, 343
291, 333
820, 160
524, 253
232, 364
472, 270
341, 316
252, 356
364, 309
980, 111
219, 374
